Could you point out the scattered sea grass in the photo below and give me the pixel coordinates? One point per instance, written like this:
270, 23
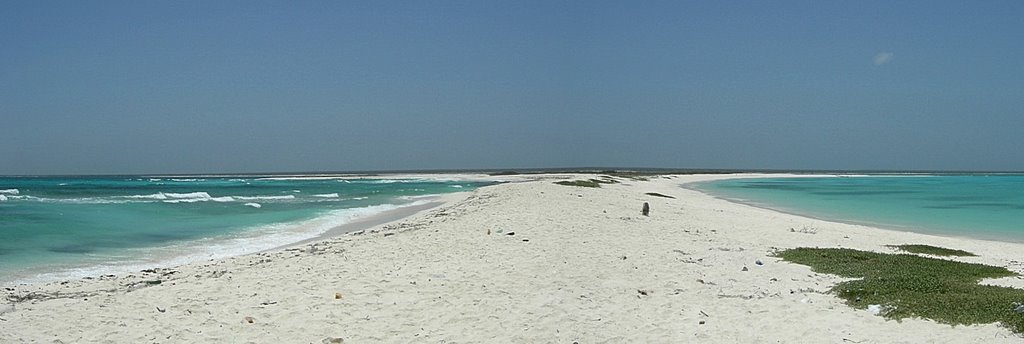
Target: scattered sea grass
907, 285
655, 194
932, 250
580, 183
635, 176
590, 183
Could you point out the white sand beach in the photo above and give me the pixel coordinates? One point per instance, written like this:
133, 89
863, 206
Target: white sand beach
522, 262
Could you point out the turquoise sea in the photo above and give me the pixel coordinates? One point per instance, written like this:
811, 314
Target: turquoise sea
987, 206
68, 227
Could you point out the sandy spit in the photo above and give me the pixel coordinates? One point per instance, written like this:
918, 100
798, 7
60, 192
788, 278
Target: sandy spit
523, 262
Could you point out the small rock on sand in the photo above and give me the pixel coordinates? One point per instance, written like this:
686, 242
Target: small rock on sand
332, 340
250, 320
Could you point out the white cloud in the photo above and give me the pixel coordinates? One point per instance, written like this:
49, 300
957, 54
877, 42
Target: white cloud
883, 58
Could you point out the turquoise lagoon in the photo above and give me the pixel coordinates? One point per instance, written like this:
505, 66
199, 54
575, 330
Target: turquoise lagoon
986, 206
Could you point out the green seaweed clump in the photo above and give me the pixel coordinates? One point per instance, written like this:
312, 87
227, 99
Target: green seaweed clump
907, 285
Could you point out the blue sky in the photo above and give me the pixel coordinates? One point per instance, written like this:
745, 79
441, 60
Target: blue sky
221, 86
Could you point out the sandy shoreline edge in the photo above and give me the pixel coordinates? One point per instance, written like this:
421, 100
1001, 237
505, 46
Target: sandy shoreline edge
520, 262
355, 224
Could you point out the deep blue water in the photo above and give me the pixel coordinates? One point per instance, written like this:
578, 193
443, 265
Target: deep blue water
76, 226
980, 206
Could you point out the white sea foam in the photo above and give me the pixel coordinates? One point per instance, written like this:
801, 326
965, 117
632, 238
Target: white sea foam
254, 205
116, 199
166, 197
191, 197
388, 181
264, 198
456, 186
418, 198
3, 198
201, 199
383, 181
171, 195
156, 196
300, 178
271, 236
187, 180
187, 195
249, 241
330, 195
87, 200
10, 192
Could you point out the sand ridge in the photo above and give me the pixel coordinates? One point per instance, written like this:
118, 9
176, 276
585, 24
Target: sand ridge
525, 262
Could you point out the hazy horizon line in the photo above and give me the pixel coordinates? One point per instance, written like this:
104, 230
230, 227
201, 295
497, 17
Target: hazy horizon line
532, 170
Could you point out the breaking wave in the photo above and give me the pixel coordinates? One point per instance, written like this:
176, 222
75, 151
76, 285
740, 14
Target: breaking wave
165, 197
264, 198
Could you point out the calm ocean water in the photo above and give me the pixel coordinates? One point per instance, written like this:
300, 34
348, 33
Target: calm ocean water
980, 206
53, 228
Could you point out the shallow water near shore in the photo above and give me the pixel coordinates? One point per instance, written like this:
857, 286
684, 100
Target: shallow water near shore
54, 228
978, 206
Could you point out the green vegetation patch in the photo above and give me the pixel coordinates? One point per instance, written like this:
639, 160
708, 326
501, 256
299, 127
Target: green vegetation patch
590, 183
581, 183
655, 194
907, 285
635, 176
932, 250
